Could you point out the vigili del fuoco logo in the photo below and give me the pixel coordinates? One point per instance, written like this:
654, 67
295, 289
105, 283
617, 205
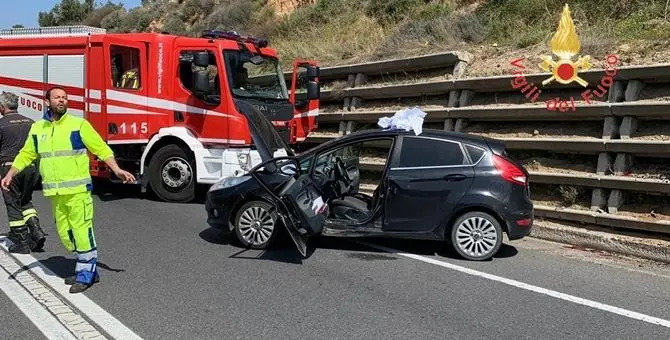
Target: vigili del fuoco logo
565, 45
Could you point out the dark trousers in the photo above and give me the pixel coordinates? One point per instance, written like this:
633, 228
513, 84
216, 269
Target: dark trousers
18, 199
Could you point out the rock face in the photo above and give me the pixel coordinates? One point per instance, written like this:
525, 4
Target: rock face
283, 7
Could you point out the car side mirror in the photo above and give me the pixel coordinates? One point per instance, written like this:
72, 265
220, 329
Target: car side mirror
313, 90
200, 82
312, 72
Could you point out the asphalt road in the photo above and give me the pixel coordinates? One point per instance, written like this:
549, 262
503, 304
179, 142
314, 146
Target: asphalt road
166, 274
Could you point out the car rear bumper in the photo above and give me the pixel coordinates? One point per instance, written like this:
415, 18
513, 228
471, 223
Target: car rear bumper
520, 224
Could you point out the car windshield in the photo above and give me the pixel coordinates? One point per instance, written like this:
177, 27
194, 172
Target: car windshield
260, 77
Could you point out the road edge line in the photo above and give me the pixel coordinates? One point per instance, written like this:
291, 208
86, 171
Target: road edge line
518, 284
37, 313
90, 310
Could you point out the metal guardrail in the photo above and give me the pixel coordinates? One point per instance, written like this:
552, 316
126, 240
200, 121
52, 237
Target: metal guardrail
563, 145
649, 74
601, 219
590, 180
389, 66
587, 217
596, 111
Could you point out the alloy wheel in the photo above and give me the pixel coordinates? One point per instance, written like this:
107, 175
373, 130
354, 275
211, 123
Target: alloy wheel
476, 236
256, 225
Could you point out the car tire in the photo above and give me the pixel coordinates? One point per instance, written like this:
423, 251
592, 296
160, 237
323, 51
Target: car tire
476, 236
172, 174
253, 221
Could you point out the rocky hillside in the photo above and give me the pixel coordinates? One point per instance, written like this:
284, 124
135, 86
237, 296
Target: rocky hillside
346, 31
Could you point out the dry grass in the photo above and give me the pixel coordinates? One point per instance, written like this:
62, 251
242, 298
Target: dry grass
338, 32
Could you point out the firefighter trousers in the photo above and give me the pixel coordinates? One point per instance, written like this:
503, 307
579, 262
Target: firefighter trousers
74, 221
18, 199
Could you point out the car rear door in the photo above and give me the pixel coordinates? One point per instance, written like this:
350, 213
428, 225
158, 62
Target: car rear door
425, 183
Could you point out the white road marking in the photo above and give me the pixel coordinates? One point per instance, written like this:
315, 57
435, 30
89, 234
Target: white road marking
34, 311
532, 288
93, 312
69, 318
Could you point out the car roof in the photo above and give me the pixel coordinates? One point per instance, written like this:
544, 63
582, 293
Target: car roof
377, 133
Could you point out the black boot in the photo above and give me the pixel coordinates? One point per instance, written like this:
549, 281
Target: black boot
21, 239
37, 235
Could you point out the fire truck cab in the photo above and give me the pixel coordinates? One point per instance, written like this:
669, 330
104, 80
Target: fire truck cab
167, 105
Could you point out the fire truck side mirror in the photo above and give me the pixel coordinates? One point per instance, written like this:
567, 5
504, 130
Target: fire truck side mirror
312, 72
313, 90
201, 59
200, 82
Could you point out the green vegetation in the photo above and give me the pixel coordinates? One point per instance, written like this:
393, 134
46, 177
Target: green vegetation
344, 31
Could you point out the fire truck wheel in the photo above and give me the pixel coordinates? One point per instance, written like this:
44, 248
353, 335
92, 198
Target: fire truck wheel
172, 175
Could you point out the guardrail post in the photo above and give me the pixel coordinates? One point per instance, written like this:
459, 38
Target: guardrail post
359, 81
452, 102
351, 81
455, 95
629, 123
463, 100
615, 95
624, 161
350, 103
599, 196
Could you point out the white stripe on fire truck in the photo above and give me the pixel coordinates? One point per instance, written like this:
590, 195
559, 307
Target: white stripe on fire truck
113, 109
162, 104
95, 94
26, 90
128, 141
221, 140
95, 108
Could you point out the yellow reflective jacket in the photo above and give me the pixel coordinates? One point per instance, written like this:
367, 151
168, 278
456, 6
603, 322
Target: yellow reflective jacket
62, 150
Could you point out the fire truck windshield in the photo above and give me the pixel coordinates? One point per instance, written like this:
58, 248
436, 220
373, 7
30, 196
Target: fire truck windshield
255, 77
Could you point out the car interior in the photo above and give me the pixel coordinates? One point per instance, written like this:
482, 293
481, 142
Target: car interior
338, 173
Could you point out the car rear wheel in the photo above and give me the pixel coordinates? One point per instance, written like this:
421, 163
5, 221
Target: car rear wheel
255, 224
476, 236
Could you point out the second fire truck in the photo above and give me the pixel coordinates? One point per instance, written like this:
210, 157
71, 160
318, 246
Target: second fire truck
166, 104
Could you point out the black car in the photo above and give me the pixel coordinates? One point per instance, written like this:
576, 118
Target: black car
435, 186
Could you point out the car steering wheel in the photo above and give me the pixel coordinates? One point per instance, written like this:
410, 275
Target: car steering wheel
341, 170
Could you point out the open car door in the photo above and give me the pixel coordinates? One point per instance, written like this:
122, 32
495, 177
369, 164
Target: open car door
299, 203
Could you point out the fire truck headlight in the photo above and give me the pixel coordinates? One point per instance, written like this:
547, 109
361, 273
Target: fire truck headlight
243, 159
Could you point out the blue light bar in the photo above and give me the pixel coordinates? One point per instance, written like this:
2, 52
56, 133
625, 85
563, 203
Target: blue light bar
232, 35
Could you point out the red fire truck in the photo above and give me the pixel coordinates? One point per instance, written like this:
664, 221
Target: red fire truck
169, 106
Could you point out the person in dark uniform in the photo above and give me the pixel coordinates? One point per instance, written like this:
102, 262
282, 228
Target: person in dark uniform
24, 226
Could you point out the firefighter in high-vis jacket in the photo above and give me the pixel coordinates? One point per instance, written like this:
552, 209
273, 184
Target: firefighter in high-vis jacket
61, 142
24, 226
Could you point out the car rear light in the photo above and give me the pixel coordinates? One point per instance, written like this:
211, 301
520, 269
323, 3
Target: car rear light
509, 171
523, 222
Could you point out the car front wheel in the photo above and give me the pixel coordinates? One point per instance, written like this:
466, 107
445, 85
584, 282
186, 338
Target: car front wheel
255, 224
476, 236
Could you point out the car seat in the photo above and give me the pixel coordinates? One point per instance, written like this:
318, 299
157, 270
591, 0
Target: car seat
355, 207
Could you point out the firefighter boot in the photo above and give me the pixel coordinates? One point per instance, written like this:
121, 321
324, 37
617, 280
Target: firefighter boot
71, 280
21, 239
37, 235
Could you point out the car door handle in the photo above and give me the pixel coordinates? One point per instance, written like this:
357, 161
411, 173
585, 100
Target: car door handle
454, 177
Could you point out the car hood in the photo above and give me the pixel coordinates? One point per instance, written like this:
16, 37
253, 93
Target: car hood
267, 140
